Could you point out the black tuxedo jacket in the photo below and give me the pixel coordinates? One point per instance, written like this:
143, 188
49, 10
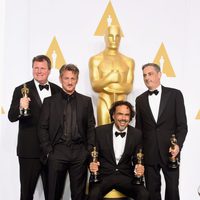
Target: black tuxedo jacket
52, 118
171, 120
104, 143
28, 143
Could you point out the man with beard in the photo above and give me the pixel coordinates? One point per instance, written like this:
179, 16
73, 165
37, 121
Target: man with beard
117, 144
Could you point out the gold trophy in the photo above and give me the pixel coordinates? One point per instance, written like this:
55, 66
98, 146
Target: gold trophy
25, 112
139, 180
94, 177
173, 161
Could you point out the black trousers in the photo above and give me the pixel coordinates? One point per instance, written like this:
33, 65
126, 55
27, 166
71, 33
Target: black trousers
119, 182
153, 182
30, 170
72, 160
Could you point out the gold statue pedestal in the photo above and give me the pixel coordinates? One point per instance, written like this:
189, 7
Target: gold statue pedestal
115, 195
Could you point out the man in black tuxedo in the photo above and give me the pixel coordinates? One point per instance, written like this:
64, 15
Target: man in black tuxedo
117, 144
28, 149
66, 133
160, 112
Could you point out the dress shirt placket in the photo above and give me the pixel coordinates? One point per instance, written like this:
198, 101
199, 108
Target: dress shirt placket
68, 121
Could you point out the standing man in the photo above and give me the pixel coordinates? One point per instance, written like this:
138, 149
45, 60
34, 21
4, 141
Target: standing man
117, 144
66, 133
28, 149
160, 112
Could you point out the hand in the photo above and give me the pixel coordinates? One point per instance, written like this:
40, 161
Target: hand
139, 170
94, 166
174, 151
24, 102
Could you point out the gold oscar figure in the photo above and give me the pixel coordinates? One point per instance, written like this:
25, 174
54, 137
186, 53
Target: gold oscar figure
25, 112
173, 161
139, 180
94, 177
111, 74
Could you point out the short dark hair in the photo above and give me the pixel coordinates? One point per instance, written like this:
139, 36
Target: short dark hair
69, 67
120, 103
41, 58
154, 65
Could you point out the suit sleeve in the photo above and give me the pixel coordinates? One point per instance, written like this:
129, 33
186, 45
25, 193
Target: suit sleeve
13, 113
43, 128
139, 145
90, 126
138, 120
181, 120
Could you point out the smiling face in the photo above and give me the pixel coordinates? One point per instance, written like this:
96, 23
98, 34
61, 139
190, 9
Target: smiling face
151, 77
121, 117
41, 71
68, 80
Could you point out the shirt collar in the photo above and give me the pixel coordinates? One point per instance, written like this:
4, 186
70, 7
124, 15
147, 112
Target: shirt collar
37, 83
67, 96
159, 88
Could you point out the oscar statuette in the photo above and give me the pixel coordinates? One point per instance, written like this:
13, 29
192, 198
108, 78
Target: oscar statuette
25, 112
139, 180
94, 176
173, 162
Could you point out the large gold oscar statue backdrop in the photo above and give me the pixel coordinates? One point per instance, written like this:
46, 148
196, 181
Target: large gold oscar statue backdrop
111, 74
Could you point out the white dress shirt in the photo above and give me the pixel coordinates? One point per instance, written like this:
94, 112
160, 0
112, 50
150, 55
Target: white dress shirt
154, 102
118, 143
43, 93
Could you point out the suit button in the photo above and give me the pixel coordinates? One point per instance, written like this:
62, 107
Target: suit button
116, 170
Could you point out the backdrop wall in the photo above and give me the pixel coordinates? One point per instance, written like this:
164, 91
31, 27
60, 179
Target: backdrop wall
29, 27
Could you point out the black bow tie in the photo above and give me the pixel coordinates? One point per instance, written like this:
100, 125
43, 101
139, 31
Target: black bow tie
44, 86
153, 92
122, 134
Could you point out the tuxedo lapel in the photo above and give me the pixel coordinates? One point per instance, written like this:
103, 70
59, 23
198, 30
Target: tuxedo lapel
54, 90
128, 143
58, 110
34, 93
79, 105
147, 106
110, 135
163, 102
109, 142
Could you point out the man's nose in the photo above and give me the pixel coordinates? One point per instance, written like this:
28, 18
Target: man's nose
123, 116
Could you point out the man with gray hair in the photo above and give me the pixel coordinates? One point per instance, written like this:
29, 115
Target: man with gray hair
160, 115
